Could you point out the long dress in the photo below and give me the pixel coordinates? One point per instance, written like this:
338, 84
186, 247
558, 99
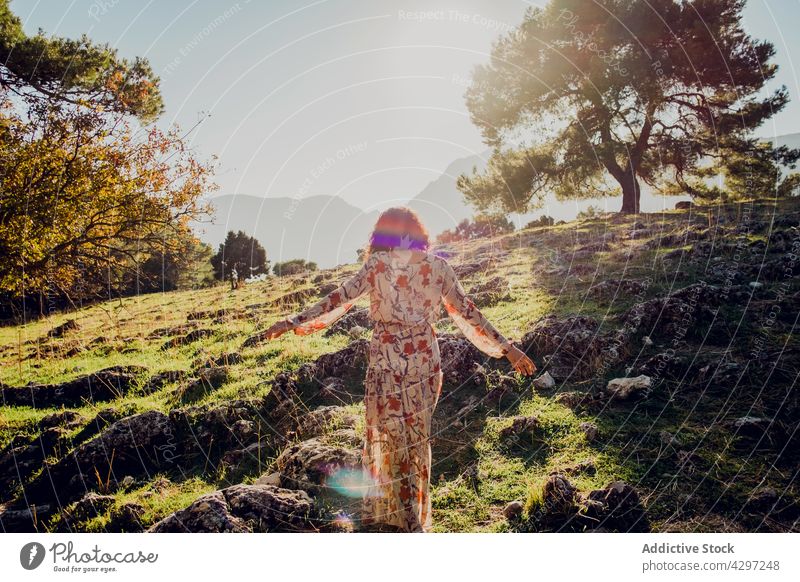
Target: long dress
404, 376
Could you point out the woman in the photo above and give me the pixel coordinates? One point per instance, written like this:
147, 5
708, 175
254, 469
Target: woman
404, 377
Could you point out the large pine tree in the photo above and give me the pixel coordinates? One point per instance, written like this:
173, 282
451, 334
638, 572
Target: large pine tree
590, 98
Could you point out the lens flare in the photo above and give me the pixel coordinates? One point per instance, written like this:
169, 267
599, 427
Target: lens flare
353, 482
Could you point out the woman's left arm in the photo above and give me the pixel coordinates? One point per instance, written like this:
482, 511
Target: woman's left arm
331, 307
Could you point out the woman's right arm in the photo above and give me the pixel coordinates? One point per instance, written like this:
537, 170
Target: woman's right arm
474, 325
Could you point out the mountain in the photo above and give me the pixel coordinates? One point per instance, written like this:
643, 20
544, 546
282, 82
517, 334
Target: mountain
323, 229
326, 229
441, 205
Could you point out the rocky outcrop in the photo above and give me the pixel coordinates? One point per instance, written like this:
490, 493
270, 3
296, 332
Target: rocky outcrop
573, 348
615, 508
353, 318
243, 508
104, 385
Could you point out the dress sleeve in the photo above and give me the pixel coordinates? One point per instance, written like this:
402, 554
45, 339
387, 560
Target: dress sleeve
334, 305
468, 318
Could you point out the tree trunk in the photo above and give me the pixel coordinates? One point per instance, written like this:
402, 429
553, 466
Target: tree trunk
630, 193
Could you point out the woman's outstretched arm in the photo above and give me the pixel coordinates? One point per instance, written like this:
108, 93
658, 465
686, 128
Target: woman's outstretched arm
474, 325
468, 318
331, 307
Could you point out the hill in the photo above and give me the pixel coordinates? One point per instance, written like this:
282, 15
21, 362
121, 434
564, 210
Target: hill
666, 400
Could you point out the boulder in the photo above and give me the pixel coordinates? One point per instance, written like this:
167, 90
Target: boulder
243, 508
625, 388
573, 347
141, 443
544, 382
513, 510
309, 464
617, 507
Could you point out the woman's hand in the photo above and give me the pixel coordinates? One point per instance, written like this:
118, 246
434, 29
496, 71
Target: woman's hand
522, 363
277, 329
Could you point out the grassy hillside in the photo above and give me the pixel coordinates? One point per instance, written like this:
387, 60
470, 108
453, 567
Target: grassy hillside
703, 303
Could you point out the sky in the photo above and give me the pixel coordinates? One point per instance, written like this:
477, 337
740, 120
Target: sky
358, 99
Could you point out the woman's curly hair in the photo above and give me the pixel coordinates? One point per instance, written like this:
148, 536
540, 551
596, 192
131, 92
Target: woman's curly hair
398, 228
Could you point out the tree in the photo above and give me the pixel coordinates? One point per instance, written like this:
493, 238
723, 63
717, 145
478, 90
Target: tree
45, 70
293, 267
190, 268
241, 252
629, 90
88, 191
482, 226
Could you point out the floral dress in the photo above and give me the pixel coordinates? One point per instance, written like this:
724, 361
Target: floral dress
404, 375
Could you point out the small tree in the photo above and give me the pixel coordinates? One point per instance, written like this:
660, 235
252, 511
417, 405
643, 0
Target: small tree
241, 252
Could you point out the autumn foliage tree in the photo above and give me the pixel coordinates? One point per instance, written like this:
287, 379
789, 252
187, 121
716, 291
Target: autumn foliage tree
89, 189
586, 99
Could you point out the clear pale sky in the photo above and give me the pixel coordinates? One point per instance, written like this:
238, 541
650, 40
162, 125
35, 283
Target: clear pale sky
361, 99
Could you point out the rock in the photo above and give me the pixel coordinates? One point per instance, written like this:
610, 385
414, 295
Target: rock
617, 507
625, 388
544, 382
141, 443
223, 361
572, 399
590, 430
126, 518
171, 331
351, 359
683, 205
104, 385
63, 329
204, 433
308, 465
676, 315
513, 511
208, 380
209, 513
293, 298
573, 347
558, 494
762, 499
273, 479
751, 426
89, 506
355, 318
243, 508
327, 288
458, 358
519, 426
316, 422
24, 519
62, 418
